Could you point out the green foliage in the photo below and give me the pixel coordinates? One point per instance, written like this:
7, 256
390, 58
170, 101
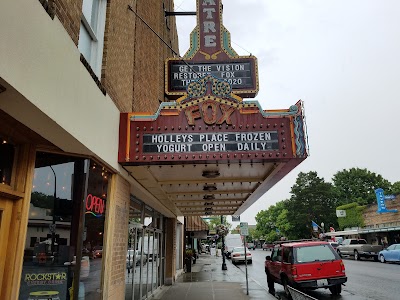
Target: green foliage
312, 199
396, 188
252, 234
358, 185
347, 206
189, 252
213, 223
282, 224
268, 221
42, 200
354, 216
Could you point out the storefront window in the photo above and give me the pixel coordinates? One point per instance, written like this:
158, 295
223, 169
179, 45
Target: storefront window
63, 230
93, 233
52, 233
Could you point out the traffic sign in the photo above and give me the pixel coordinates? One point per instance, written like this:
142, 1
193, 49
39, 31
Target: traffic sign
244, 228
235, 218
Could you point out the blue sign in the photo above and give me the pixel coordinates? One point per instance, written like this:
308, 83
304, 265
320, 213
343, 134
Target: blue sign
390, 197
314, 226
380, 198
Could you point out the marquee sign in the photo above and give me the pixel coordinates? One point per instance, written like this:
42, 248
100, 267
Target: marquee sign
211, 124
211, 54
210, 142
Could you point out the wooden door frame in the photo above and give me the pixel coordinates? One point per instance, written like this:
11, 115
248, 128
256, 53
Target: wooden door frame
6, 206
19, 193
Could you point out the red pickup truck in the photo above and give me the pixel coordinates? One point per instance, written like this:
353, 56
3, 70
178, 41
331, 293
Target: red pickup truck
305, 265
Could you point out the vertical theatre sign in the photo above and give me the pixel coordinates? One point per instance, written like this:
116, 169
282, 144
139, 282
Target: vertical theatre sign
211, 54
208, 125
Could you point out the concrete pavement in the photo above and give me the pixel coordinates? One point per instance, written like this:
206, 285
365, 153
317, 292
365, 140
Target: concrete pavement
208, 281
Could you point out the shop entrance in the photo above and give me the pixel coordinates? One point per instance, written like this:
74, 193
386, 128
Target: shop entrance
145, 258
5, 222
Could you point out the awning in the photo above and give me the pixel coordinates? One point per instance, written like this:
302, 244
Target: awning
195, 223
344, 232
382, 229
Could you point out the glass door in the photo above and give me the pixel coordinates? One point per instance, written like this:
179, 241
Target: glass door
136, 262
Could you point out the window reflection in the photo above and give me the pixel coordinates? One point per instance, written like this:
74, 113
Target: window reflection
63, 229
145, 261
52, 233
93, 234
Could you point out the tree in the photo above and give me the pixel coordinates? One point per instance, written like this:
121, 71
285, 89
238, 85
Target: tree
214, 222
358, 185
396, 188
270, 224
254, 234
312, 199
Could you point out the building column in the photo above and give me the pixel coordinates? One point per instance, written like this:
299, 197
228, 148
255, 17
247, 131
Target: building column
170, 250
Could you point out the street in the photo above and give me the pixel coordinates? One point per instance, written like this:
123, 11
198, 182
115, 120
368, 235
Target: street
366, 279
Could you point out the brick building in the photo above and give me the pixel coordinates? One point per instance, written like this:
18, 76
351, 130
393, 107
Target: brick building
67, 71
384, 226
94, 193
379, 228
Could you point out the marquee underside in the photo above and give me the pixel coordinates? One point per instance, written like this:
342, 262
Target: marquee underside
185, 189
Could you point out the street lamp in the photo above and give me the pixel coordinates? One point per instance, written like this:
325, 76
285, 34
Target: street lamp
223, 245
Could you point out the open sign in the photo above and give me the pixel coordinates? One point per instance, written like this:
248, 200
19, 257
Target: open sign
95, 204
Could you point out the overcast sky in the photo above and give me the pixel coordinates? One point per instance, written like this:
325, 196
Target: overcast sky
342, 58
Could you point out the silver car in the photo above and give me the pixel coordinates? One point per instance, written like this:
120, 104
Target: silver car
237, 255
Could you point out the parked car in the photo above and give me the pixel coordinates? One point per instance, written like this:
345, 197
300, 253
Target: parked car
251, 245
232, 241
334, 245
391, 253
305, 265
237, 255
97, 251
228, 251
268, 246
135, 257
358, 248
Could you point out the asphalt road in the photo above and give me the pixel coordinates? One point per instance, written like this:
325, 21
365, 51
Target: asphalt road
366, 279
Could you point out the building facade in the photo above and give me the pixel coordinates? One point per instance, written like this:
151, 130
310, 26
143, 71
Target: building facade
68, 69
107, 146
381, 228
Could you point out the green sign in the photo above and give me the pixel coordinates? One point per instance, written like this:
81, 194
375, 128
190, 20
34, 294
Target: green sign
244, 228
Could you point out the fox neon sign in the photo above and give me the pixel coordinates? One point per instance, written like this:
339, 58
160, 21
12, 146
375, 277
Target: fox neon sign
209, 113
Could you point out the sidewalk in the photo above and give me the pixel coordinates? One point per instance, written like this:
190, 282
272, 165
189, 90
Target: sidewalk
208, 281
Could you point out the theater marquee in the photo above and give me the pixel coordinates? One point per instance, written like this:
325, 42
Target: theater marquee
211, 124
208, 151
